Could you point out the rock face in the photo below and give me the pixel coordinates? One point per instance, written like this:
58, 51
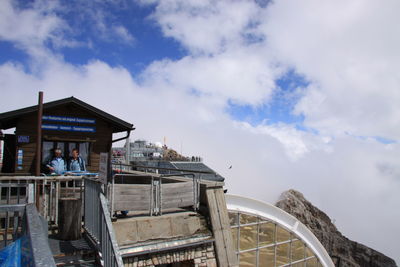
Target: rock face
343, 251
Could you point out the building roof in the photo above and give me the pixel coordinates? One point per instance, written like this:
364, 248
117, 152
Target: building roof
9, 119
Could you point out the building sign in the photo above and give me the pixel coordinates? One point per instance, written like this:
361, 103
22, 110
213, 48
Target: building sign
68, 119
69, 128
20, 157
103, 170
23, 138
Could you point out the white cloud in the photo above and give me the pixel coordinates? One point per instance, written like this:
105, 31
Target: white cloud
349, 52
31, 28
241, 75
207, 27
123, 34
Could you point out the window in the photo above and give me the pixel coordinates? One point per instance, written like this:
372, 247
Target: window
66, 148
260, 242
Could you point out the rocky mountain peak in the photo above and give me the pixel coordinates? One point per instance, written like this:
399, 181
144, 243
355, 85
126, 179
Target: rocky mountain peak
344, 252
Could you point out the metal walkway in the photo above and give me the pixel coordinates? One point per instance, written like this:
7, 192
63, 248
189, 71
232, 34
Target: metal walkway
72, 253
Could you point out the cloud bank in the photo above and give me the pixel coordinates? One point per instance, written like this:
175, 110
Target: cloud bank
235, 53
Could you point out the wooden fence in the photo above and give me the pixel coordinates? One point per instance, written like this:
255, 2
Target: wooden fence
155, 196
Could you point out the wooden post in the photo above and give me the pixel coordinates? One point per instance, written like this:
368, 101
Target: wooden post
39, 134
70, 218
39, 146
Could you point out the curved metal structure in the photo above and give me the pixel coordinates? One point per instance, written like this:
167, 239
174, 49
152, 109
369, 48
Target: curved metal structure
272, 213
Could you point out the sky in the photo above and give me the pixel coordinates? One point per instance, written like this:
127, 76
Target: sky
292, 94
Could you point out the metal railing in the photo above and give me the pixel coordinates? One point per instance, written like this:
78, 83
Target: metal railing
97, 223
154, 169
27, 225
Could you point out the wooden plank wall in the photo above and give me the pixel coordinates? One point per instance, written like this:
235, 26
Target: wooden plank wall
27, 126
132, 197
177, 195
221, 228
137, 197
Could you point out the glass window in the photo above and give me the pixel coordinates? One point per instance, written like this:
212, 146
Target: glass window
282, 254
266, 257
312, 262
266, 233
235, 237
282, 234
248, 237
297, 250
60, 145
84, 151
299, 264
47, 151
244, 218
280, 247
71, 146
248, 259
66, 148
309, 253
233, 218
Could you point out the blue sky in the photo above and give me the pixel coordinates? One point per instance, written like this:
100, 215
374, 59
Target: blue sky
147, 44
309, 89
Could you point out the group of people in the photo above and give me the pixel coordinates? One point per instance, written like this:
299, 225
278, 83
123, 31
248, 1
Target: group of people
59, 165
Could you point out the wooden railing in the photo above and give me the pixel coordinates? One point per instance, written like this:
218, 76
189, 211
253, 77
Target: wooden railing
153, 194
44, 191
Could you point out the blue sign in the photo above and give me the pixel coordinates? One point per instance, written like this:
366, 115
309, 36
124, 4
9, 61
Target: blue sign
69, 128
23, 138
20, 156
68, 119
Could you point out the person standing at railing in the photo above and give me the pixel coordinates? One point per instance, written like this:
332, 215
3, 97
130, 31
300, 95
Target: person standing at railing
76, 162
57, 164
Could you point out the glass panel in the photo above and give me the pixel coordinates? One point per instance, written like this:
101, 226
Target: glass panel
266, 234
47, 152
312, 262
282, 234
282, 254
84, 151
248, 237
233, 218
297, 250
266, 257
309, 252
70, 147
248, 259
60, 145
244, 218
234, 237
299, 264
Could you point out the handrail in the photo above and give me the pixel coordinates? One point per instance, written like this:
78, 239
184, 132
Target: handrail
97, 224
110, 249
40, 249
163, 168
30, 228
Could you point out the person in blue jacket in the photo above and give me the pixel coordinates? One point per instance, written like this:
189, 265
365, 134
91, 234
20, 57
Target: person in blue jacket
76, 162
57, 164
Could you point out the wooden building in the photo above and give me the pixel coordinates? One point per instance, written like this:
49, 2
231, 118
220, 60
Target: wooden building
66, 124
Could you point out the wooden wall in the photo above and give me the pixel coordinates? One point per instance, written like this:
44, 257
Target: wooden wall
27, 125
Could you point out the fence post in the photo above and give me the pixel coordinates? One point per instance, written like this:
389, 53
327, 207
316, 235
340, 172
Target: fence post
30, 194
